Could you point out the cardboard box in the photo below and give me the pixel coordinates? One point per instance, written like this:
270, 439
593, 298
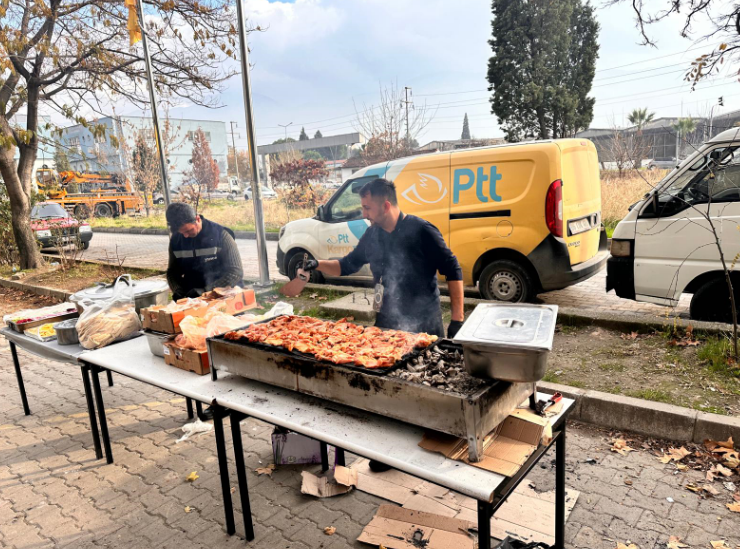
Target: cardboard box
186, 359
398, 528
235, 304
506, 449
290, 448
168, 323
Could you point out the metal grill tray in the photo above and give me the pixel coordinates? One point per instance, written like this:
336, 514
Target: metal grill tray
313, 360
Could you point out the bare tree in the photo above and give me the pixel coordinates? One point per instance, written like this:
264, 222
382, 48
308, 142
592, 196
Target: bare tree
394, 123
626, 149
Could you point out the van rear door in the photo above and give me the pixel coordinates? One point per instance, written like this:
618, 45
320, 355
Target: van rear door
581, 191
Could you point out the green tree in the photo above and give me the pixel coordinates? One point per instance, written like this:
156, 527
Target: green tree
542, 68
683, 127
317, 135
303, 136
640, 117
466, 129
61, 160
313, 155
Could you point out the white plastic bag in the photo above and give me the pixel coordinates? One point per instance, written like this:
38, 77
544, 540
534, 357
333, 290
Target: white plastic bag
194, 428
104, 321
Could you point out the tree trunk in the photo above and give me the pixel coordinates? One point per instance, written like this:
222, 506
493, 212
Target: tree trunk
544, 131
20, 208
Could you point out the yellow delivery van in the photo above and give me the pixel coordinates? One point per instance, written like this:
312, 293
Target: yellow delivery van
521, 218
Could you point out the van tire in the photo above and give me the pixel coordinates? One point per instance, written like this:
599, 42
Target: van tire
506, 280
296, 261
711, 302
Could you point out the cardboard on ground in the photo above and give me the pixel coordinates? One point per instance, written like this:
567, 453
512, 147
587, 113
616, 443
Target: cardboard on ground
527, 514
398, 528
506, 449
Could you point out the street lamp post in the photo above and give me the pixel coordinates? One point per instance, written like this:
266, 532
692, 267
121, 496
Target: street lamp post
285, 127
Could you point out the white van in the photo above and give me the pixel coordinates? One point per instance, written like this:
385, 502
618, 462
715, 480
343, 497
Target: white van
665, 246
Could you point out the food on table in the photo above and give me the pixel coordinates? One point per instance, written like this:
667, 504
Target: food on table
220, 293
195, 329
31, 315
45, 332
339, 342
181, 305
106, 326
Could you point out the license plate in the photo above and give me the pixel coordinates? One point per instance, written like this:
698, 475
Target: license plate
579, 226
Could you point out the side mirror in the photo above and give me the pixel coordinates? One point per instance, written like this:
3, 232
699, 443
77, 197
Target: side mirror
320, 213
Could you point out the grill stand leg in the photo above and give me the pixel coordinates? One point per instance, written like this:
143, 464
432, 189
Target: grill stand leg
19, 377
95, 371
110, 378
485, 512
241, 474
339, 456
85, 369
199, 409
324, 457
189, 405
560, 490
223, 466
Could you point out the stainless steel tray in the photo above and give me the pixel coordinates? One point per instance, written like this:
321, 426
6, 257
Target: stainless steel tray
470, 416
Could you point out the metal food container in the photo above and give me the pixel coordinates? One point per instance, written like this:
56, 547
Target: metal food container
67, 332
146, 293
156, 342
508, 342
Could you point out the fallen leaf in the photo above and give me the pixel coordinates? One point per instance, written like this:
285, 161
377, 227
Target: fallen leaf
736, 497
724, 471
674, 542
188, 509
719, 545
709, 489
630, 546
233, 489
632, 336
330, 530
628, 482
192, 477
666, 458
675, 454
734, 507
621, 447
693, 487
710, 476
732, 462
682, 467
266, 470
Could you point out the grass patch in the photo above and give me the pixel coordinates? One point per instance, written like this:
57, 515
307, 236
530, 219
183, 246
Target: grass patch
613, 390
709, 409
551, 377
567, 329
716, 353
612, 367
656, 395
576, 383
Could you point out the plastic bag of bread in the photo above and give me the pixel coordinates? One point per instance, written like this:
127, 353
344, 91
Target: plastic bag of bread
103, 322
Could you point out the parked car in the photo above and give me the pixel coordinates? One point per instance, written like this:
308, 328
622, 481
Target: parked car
522, 218
54, 226
665, 246
662, 163
267, 193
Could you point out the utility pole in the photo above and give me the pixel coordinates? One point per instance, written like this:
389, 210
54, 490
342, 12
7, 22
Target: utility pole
233, 147
406, 90
153, 101
285, 127
259, 221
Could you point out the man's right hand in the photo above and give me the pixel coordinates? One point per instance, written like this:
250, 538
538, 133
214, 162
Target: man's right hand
310, 265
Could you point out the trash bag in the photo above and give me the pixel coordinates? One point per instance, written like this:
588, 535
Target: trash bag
114, 319
511, 543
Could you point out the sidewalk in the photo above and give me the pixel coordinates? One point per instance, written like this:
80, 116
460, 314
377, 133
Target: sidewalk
54, 494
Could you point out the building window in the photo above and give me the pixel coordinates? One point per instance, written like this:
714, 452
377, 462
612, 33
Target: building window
100, 138
74, 144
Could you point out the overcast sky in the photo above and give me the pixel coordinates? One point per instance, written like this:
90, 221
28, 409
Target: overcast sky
318, 58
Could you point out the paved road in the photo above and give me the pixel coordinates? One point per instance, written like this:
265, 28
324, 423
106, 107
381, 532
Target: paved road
54, 494
151, 251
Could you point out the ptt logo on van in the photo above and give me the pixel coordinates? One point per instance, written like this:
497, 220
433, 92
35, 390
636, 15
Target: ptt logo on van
428, 190
465, 179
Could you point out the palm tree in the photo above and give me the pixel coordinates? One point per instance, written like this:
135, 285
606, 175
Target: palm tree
640, 117
683, 127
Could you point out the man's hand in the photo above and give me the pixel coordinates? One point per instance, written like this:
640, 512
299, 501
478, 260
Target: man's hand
310, 265
453, 328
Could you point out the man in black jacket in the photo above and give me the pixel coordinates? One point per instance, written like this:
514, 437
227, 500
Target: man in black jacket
202, 254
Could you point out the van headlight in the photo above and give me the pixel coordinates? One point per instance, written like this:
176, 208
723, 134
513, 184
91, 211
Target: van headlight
85, 228
282, 232
621, 248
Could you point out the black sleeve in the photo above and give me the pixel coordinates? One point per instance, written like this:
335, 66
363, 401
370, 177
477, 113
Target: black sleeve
174, 275
232, 275
354, 261
436, 249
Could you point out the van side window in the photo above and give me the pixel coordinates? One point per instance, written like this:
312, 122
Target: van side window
346, 206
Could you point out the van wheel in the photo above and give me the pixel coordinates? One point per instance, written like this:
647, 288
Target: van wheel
296, 262
506, 280
711, 302
103, 210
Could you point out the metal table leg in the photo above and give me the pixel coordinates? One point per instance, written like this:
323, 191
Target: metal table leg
189, 404
560, 490
324, 457
19, 376
485, 512
110, 378
223, 466
95, 370
91, 410
339, 453
199, 409
241, 474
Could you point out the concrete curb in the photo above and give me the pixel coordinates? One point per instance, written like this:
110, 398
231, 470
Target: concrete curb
38, 290
654, 419
244, 235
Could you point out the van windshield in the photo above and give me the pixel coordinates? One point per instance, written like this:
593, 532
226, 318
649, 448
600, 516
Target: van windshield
345, 205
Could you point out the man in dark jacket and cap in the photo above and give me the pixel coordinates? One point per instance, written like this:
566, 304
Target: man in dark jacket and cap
203, 254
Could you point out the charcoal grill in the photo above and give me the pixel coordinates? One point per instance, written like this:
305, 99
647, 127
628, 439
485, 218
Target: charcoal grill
471, 416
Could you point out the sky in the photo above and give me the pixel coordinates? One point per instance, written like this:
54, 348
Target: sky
319, 61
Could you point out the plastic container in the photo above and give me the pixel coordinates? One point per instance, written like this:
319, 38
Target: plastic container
67, 332
508, 342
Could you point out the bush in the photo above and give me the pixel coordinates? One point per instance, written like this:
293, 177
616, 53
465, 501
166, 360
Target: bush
8, 250
619, 193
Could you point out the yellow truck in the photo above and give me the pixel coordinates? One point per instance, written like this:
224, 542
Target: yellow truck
86, 194
521, 218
